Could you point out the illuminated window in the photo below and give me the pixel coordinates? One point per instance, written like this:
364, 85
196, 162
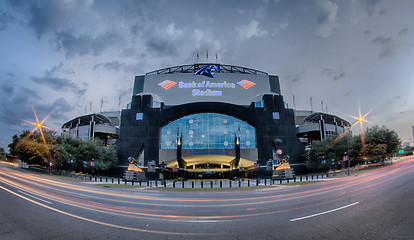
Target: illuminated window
276, 115
140, 116
259, 104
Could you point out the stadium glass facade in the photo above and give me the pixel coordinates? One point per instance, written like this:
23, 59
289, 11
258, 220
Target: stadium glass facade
208, 131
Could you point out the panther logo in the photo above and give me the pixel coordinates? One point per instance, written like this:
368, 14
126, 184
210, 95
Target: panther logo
207, 70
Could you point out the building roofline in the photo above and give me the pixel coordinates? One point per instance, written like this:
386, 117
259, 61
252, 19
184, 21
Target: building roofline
192, 68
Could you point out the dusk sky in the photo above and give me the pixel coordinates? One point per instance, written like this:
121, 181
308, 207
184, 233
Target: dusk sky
64, 57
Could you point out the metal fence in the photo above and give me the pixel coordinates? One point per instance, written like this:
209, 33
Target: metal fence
216, 183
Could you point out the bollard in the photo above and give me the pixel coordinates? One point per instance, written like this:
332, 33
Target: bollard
106, 179
140, 182
90, 177
294, 179
119, 181
112, 180
100, 179
306, 177
132, 182
257, 182
192, 184
174, 184
95, 178
221, 184
148, 183
280, 180
201, 184
183, 183
230, 183
248, 183
239, 183
287, 180
156, 183
125, 181
211, 184
300, 178
165, 183
317, 176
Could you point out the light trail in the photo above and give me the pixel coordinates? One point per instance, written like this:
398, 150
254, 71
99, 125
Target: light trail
272, 197
116, 210
108, 224
20, 182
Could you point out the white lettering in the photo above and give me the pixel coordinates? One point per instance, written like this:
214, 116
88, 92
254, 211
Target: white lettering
207, 92
206, 84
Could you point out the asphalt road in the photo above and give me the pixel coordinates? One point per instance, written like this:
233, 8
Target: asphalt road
377, 204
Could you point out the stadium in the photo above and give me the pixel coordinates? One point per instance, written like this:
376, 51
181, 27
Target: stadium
208, 121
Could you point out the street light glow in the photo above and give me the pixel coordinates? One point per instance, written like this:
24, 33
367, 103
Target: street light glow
38, 125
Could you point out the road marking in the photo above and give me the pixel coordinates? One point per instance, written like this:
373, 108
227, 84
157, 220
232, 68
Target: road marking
34, 197
317, 214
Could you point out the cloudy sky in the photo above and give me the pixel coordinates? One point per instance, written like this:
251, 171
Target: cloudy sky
68, 57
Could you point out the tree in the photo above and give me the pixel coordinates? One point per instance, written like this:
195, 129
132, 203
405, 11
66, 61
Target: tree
2, 154
32, 149
320, 156
379, 142
83, 152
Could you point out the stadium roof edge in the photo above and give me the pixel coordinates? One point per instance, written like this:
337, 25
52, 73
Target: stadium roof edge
192, 68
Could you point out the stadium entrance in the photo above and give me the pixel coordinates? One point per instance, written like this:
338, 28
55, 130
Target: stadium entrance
207, 145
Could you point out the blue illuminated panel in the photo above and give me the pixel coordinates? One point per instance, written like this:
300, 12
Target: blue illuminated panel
208, 131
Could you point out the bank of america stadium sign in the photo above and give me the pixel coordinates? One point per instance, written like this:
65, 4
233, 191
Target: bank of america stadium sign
206, 88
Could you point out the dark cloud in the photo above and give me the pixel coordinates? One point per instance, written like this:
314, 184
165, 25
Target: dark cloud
83, 44
8, 84
404, 31
164, 40
387, 48
335, 74
7, 88
60, 84
47, 16
111, 66
367, 32
14, 109
326, 17
5, 18
17, 109
296, 77
381, 40
373, 6
60, 69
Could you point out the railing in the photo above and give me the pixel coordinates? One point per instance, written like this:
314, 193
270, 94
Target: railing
218, 183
